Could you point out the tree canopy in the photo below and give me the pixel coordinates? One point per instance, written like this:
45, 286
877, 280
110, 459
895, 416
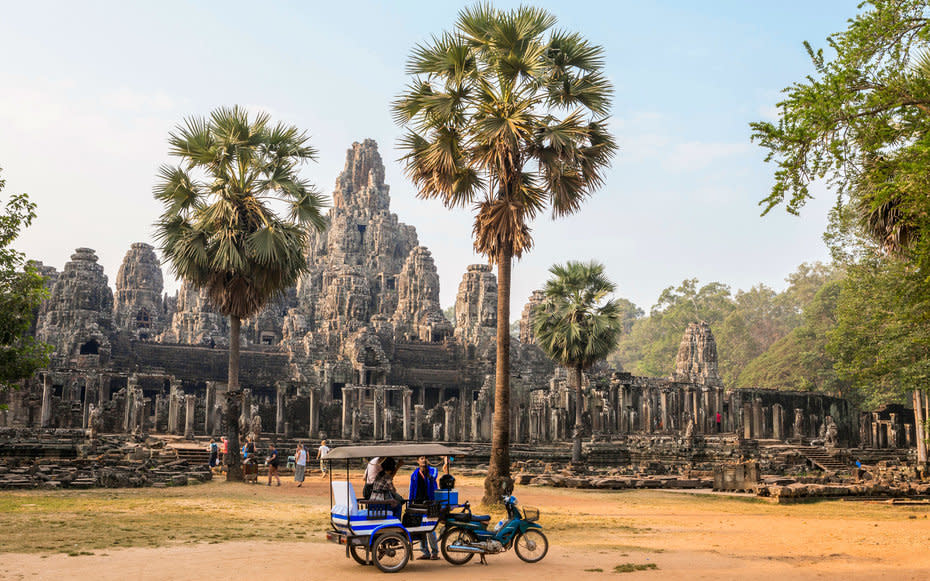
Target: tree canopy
507, 114
220, 229
861, 122
22, 290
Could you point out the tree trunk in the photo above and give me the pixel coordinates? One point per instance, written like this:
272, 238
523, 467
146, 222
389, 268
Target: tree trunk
579, 405
233, 405
498, 482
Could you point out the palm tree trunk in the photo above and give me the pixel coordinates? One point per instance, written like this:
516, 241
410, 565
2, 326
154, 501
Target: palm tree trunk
579, 405
233, 404
498, 482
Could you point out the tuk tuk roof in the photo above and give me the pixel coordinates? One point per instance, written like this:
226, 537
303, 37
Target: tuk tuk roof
347, 452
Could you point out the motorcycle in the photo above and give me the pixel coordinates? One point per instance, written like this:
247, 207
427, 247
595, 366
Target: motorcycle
467, 535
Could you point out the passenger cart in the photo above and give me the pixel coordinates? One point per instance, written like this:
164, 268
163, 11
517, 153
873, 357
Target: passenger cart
370, 531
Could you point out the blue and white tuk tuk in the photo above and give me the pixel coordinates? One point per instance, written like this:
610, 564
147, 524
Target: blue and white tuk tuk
371, 530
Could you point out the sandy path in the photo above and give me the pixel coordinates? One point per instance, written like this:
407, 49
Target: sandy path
686, 536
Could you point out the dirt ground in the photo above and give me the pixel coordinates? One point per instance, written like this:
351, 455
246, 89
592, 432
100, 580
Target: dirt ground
671, 535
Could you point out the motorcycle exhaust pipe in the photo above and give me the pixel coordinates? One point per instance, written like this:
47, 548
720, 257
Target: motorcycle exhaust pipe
463, 549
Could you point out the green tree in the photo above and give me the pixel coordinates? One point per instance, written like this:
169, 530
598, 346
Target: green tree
577, 325
21, 292
800, 361
652, 344
219, 230
508, 115
862, 122
881, 341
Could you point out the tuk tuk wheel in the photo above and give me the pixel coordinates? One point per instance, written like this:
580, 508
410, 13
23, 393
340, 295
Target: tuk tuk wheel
358, 553
390, 552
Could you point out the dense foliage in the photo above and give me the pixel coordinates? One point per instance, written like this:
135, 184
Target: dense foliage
21, 291
862, 123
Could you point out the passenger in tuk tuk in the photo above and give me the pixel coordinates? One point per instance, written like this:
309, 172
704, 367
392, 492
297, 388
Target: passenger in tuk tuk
383, 487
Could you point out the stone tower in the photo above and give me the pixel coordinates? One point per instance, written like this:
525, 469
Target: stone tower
418, 313
139, 310
697, 356
78, 316
476, 312
355, 264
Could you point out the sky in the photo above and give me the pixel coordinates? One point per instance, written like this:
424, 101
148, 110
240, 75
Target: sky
89, 92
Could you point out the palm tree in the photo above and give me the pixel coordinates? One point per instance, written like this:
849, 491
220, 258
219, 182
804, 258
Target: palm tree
575, 327
509, 116
218, 229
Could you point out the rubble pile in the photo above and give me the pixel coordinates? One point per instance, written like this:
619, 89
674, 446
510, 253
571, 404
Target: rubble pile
63, 459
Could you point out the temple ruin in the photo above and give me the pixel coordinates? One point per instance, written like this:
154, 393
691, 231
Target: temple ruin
360, 350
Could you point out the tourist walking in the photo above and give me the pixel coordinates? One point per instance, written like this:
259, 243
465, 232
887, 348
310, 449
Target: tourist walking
214, 453
273, 463
300, 464
423, 489
321, 452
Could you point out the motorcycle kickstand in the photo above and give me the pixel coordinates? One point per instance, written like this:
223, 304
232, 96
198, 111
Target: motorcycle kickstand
483, 561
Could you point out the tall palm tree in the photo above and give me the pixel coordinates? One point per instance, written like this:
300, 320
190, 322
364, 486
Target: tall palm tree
219, 230
509, 116
577, 326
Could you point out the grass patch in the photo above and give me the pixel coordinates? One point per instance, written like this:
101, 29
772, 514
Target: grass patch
595, 570
632, 567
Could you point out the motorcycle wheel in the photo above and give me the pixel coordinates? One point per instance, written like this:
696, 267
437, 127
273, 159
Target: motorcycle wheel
358, 553
390, 552
531, 546
456, 536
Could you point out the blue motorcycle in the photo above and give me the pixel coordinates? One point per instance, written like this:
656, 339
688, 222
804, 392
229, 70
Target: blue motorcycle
467, 535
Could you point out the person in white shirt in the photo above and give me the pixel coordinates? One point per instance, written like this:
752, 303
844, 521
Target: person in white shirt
300, 464
322, 451
371, 472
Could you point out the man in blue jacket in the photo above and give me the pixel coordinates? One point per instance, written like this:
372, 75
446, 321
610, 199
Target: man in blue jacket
422, 488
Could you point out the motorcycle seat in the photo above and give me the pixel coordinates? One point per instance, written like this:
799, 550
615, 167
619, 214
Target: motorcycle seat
481, 517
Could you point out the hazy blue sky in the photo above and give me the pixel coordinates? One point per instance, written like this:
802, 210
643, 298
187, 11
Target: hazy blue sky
90, 90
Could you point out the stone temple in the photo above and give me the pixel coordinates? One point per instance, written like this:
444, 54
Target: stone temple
360, 350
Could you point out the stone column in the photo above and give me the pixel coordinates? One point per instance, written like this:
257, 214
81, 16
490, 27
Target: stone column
209, 420
131, 385
747, 421
280, 393
103, 388
757, 430
313, 400
388, 421
174, 404
245, 412
408, 404
417, 422
377, 412
706, 411
346, 414
159, 399
449, 425
663, 409
190, 402
46, 414
88, 399
920, 432
778, 421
